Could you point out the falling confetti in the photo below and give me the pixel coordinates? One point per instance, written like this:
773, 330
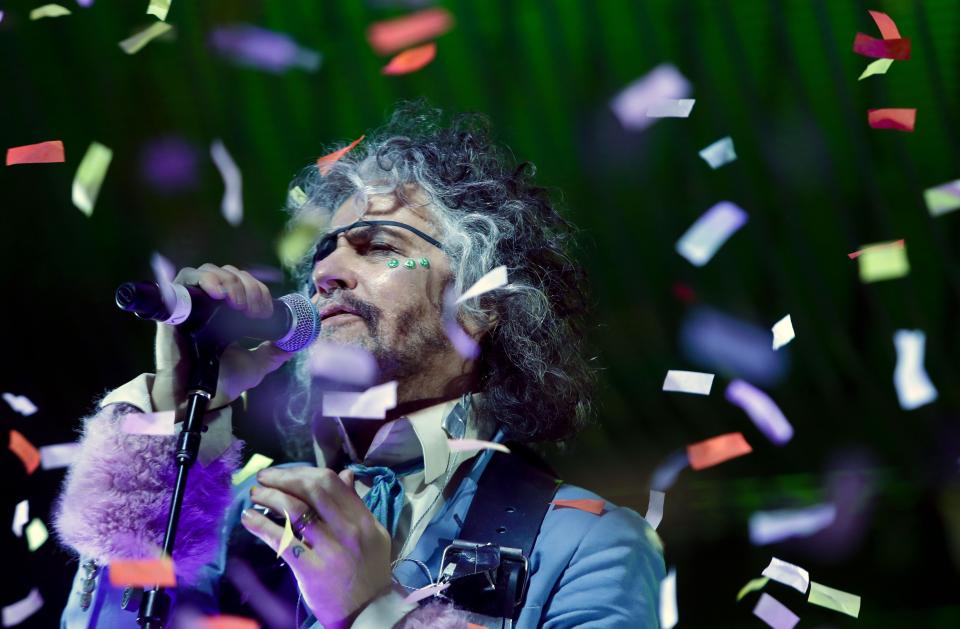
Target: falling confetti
671, 108
425, 592
783, 332
471, 445
142, 573
36, 534
21, 515
342, 363
752, 586
135, 43
49, 10
29, 454
159, 9
910, 379
699, 243
90, 176
943, 199
882, 261
159, 423
42, 153
897, 119
256, 463
762, 411
492, 280
325, 163
58, 455
669, 615
880, 66
232, 205
254, 47
589, 505
688, 382
719, 153
655, 508
16, 613
662, 83
788, 574
20, 403
393, 35
287, 538
837, 600
370, 404
411, 60
775, 613
770, 527
881, 48
716, 450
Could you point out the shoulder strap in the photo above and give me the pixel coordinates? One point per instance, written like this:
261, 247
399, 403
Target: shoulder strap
512, 498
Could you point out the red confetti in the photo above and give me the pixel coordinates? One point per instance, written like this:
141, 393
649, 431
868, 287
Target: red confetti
43, 153
897, 243
142, 572
411, 60
684, 293
471, 625
225, 622
898, 119
393, 35
881, 48
886, 25
583, 504
717, 450
22, 447
325, 163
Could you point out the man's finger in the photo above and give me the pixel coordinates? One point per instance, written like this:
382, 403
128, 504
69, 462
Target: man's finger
297, 555
316, 533
323, 490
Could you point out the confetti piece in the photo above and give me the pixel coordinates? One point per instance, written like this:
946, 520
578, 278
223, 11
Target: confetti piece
699, 243
837, 600
470, 445
142, 573
913, 385
411, 60
788, 574
20, 446
425, 592
262, 49
390, 36
160, 423
496, 278
462, 342
630, 106
164, 272
880, 66
783, 332
888, 29
20, 403
36, 533
16, 613
471, 625
287, 536
883, 262
763, 411
770, 527
58, 455
256, 463
881, 48
582, 504
775, 613
668, 600
655, 508
169, 164
300, 237
159, 8
49, 10
897, 119
41, 153
342, 363
224, 621
666, 473
325, 163
870, 248
719, 153
671, 108
89, 177
688, 382
716, 450
232, 205
135, 43
297, 197
21, 515
370, 404
752, 586
943, 198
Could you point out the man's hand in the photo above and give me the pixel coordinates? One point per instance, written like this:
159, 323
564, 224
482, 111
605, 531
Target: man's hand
343, 561
240, 369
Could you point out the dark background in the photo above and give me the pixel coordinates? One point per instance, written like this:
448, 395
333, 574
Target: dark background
816, 181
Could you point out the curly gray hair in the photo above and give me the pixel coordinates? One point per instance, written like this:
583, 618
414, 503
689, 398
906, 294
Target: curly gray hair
533, 370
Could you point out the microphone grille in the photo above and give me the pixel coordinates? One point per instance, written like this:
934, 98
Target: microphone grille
306, 323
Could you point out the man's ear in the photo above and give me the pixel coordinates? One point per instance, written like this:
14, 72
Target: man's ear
477, 328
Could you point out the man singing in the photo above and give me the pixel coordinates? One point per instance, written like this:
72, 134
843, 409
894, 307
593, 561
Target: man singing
415, 214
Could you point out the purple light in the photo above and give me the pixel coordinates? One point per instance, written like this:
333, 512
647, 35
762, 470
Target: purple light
259, 48
169, 165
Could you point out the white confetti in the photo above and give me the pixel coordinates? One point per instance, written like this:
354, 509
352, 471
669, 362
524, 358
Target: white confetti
699, 243
719, 153
232, 205
370, 404
775, 613
20, 403
913, 385
492, 280
783, 332
788, 574
655, 508
671, 108
469, 445
631, 104
668, 600
21, 515
425, 592
770, 527
160, 423
16, 613
688, 382
159, 9
58, 455
342, 363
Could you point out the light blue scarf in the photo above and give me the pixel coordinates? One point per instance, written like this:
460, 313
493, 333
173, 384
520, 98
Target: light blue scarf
385, 498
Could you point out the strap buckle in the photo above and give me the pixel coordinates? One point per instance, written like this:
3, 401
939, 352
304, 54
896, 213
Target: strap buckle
485, 577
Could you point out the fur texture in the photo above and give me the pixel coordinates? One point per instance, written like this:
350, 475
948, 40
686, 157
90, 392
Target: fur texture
117, 493
436, 614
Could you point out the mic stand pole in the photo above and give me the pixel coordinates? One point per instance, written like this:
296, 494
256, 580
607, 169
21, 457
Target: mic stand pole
201, 387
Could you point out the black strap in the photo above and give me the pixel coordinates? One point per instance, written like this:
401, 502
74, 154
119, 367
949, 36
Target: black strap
513, 496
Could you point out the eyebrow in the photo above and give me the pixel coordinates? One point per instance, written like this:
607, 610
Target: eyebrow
378, 226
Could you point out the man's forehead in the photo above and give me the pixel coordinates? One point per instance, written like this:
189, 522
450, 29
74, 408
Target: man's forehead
413, 209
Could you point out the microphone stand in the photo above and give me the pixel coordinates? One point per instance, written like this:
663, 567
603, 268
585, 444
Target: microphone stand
205, 351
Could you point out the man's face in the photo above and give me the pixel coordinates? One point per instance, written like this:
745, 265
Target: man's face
394, 312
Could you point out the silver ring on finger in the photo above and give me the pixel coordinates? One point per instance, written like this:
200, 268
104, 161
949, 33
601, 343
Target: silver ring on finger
304, 521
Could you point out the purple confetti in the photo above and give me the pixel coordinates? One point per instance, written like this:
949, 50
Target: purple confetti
762, 410
259, 48
342, 363
770, 527
169, 165
662, 83
462, 342
775, 613
666, 473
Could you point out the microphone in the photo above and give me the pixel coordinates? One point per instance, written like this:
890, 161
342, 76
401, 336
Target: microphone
294, 324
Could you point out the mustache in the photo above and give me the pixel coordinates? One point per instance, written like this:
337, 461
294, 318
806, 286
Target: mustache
364, 310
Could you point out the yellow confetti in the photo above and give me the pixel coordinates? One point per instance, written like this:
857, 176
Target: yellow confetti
36, 534
752, 586
49, 10
133, 44
256, 463
883, 262
89, 177
880, 66
837, 600
287, 536
299, 239
159, 8
297, 197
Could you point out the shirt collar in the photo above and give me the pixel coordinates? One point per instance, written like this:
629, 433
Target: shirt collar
420, 433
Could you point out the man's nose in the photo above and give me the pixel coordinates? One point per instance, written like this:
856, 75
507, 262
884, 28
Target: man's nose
335, 272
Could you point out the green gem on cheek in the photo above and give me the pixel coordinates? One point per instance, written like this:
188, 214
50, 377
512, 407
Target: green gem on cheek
393, 263
410, 264
425, 263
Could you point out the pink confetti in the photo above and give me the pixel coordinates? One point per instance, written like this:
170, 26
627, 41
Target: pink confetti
425, 592
775, 613
392, 35
370, 404
468, 445
342, 363
160, 423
